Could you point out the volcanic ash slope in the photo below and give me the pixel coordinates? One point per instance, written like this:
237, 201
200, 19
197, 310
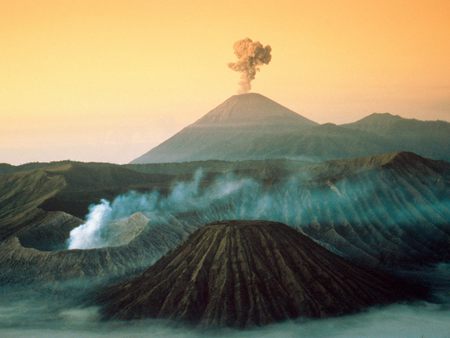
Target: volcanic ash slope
245, 273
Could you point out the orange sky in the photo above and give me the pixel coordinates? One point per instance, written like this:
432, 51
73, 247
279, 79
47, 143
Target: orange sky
108, 80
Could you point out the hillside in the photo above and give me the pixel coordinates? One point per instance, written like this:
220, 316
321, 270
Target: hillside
253, 127
430, 138
26, 259
243, 273
69, 187
252, 110
229, 132
389, 211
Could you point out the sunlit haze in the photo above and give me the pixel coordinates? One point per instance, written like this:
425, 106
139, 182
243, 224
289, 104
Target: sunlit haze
108, 80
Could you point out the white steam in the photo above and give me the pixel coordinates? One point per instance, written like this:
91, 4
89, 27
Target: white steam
297, 201
89, 234
184, 197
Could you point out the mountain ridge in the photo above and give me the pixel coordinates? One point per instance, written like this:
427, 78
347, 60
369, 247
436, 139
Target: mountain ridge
40, 207
388, 117
253, 127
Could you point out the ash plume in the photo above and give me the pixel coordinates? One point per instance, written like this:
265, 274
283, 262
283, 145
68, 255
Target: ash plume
251, 55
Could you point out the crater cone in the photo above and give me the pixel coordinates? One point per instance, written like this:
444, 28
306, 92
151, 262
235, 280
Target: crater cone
245, 273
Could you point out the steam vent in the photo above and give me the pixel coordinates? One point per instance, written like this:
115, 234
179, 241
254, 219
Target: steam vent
246, 273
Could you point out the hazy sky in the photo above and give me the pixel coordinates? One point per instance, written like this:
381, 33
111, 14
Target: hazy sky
108, 80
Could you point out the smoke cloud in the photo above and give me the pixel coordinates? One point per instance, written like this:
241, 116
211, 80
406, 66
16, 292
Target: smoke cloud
297, 201
89, 234
184, 198
251, 55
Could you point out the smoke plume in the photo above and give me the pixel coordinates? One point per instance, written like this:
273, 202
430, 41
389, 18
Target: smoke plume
88, 235
251, 55
184, 198
295, 201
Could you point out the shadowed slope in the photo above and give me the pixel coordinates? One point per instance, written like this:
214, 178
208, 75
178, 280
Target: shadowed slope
244, 273
65, 186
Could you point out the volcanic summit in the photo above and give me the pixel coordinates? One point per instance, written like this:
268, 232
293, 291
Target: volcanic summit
239, 128
253, 127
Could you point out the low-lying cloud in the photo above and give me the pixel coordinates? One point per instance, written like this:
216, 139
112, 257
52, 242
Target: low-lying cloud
30, 312
297, 201
399, 320
184, 197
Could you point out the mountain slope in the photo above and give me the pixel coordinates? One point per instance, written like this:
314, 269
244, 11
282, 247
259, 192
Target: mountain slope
389, 211
230, 131
251, 126
429, 138
22, 264
245, 273
392, 209
252, 110
25, 196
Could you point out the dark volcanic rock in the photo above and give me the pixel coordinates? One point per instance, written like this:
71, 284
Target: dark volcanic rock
244, 273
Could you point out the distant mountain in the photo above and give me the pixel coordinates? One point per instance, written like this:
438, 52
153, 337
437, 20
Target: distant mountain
6, 168
251, 126
233, 130
428, 138
246, 273
384, 123
253, 110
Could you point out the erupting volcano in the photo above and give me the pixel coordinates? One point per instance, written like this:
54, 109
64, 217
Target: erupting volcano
253, 127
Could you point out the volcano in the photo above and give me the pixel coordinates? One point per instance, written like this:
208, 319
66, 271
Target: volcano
242, 127
246, 273
252, 110
254, 127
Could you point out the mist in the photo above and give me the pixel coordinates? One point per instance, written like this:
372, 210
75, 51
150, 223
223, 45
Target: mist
298, 201
393, 321
184, 197
31, 315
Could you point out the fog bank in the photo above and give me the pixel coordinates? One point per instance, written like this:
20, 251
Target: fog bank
418, 320
297, 201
